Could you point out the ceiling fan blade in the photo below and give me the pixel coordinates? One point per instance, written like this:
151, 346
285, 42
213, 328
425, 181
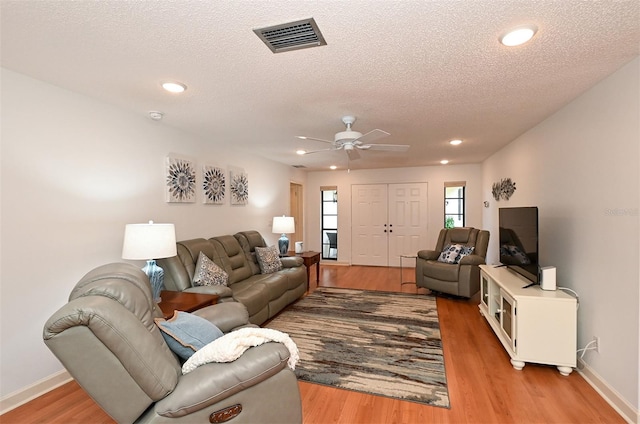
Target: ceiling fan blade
317, 151
372, 136
301, 137
387, 147
353, 154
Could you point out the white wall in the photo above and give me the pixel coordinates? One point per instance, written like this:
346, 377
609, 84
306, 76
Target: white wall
74, 172
434, 176
580, 167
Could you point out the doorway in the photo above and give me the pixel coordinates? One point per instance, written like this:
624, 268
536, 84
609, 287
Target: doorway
388, 220
329, 222
296, 211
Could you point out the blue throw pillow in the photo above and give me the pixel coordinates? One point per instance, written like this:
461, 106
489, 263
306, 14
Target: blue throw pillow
186, 333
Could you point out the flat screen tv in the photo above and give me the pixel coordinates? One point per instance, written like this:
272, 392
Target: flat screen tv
519, 241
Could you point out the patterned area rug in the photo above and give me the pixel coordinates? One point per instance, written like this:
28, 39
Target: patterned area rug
382, 343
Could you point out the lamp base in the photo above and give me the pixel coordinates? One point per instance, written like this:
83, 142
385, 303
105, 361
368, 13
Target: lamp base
156, 278
283, 245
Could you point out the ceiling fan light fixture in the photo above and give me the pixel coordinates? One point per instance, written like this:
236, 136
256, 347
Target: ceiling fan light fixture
352, 142
518, 36
174, 87
455, 142
347, 135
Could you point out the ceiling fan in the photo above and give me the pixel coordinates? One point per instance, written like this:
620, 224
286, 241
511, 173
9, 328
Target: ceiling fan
351, 141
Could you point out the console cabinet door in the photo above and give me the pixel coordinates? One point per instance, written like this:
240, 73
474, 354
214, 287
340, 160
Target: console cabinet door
484, 290
508, 318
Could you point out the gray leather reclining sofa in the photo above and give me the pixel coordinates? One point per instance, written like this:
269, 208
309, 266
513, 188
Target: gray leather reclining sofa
107, 339
264, 295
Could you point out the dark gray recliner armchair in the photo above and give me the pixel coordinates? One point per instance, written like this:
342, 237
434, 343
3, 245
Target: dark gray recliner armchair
461, 279
107, 339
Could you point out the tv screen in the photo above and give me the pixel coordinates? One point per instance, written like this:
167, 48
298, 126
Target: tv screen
519, 240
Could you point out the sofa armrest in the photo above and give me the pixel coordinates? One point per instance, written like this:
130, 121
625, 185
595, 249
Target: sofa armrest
291, 261
221, 291
430, 255
213, 382
472, 260
226, 316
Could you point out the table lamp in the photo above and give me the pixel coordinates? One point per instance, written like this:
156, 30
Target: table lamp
283, 225
150, 242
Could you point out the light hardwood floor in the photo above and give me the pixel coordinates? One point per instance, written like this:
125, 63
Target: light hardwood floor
483, 386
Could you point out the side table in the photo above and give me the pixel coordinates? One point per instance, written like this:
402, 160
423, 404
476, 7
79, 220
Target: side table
184, 301
309, 258
401, 258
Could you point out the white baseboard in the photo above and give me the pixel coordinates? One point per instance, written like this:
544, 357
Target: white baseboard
22, 396
608, 393
331, 262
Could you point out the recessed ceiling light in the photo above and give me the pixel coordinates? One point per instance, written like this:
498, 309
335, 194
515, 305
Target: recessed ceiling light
455, 142
444, 161
333, 167
301, 152
174, 87
156, 115
518, 36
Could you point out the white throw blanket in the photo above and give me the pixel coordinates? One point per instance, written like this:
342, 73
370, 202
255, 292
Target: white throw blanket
232, 345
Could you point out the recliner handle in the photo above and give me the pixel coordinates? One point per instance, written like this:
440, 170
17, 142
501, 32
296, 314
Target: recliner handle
225, 414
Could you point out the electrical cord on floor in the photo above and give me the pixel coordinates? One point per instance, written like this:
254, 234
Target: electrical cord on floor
574, 293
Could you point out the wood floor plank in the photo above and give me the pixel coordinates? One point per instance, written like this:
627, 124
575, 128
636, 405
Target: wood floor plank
483, 386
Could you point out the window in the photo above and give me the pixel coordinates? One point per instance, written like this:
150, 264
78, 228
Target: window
454, 204
329, 202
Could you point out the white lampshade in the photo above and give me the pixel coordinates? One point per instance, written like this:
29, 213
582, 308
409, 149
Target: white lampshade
149, 241
283, 225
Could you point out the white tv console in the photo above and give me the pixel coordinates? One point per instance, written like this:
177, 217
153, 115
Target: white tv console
533, 325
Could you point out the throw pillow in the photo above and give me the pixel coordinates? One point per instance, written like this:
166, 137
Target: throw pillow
450, 253
208, 273
185, 333
268, 259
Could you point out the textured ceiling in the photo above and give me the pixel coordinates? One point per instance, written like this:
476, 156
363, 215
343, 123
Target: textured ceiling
424, 71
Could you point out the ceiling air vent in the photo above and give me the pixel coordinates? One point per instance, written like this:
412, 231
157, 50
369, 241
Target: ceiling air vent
298, 166
291, 36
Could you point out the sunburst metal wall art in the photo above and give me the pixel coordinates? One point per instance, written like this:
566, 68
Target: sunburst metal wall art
503, 189
239, 188
180, 181
214, 185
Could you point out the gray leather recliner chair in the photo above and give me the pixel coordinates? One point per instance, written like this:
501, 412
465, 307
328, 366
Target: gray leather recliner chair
461, 279
106, 338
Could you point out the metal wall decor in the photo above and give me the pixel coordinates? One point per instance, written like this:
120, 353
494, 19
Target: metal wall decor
180, 180
503, 189
214, 185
